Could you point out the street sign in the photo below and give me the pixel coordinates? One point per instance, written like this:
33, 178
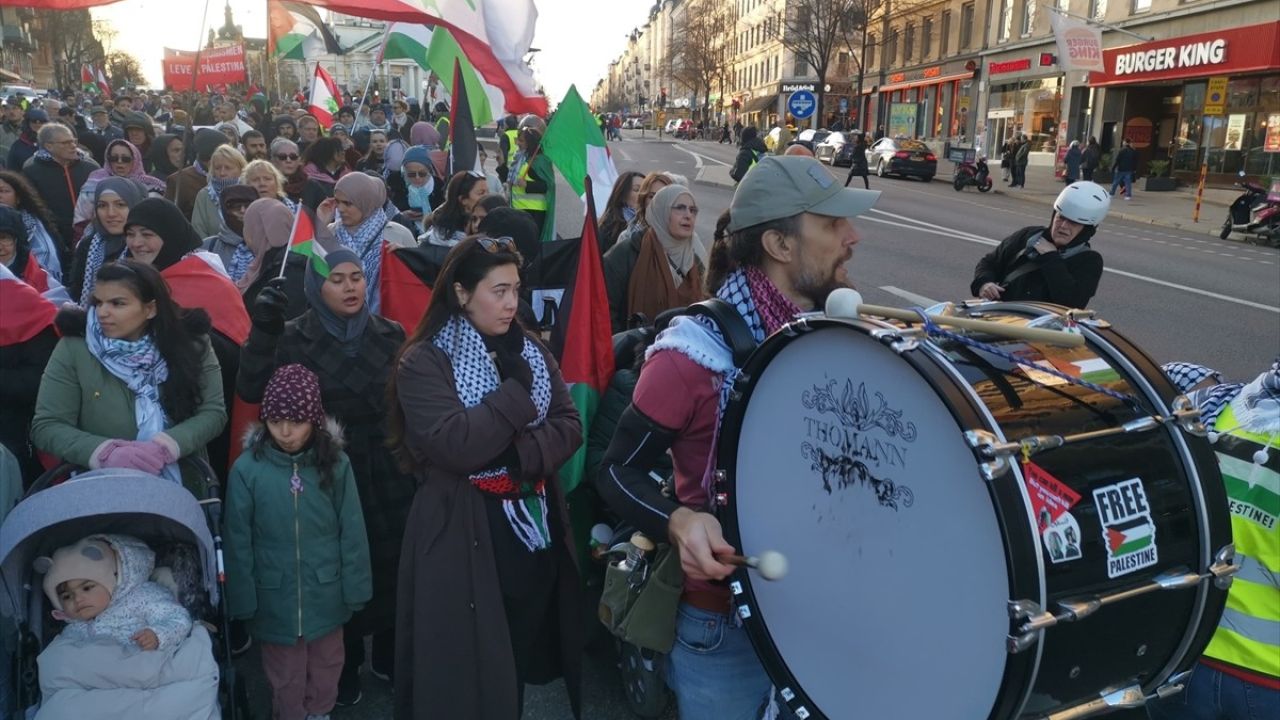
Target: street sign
844, 105
802, 104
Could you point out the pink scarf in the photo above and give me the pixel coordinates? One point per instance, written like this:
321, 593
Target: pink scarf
774, 308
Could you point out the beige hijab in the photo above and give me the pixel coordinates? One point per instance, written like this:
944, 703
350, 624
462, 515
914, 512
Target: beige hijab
681, 253
267, 224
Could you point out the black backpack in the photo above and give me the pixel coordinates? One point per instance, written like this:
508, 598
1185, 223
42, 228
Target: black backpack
629, 345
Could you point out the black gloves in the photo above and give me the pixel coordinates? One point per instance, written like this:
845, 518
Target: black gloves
269, 307
506, 352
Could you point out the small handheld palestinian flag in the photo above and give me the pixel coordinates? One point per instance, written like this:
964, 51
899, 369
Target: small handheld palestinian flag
302, 240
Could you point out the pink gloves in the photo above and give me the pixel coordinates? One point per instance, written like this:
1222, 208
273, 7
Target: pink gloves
146, 455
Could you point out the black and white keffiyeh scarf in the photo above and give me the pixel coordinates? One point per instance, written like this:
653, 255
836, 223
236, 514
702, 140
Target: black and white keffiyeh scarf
475, 376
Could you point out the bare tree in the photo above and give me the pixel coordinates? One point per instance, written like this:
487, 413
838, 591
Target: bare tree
124, 69
700, 47
814, 29
69, 35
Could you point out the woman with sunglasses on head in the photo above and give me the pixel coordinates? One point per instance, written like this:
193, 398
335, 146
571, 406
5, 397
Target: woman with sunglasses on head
661, 269
447, 225
134, 382
123, 160
287, 159
480, 414
17, 192
352, 350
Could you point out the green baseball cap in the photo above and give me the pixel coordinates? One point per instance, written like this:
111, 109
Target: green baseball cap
782, 186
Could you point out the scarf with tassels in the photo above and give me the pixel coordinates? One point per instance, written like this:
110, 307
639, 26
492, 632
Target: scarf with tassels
366, 241
475, 376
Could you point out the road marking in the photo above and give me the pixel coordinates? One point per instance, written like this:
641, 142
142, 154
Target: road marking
909, 296
957, 234
623, 153
698, 158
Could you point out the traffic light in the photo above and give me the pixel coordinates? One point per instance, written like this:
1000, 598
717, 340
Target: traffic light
1047, 59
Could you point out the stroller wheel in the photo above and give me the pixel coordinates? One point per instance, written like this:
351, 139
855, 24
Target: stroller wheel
642, 677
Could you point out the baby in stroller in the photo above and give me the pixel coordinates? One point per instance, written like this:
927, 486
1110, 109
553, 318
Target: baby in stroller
100, 587
129, 649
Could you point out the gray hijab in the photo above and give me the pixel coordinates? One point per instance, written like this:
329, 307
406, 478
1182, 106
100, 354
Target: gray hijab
681, 253
346, 330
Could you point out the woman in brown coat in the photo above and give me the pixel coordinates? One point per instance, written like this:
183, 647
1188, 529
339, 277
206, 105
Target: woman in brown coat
488, 588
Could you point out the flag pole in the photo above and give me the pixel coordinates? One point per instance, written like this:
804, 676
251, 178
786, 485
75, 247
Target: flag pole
373, 69
289, 248
195, 69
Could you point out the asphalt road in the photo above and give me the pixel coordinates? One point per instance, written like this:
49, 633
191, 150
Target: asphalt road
1177, 295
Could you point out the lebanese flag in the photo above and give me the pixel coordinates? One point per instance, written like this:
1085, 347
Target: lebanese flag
194, 283
575, 145
103, 85
87, 81
324, 98
586, 362
26, 312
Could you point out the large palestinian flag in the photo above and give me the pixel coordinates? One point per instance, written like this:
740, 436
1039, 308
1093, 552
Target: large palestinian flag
296, 32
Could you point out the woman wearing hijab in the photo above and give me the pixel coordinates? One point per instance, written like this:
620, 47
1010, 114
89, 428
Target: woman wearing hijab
229, 243
133, 383
489, 595
665, 272
225, 166
356, 218
42, 232
16, 255
416, 190
267, 224
123, 160
621, 209
425, 135
325, 163
167, 156
103, 240
352, 351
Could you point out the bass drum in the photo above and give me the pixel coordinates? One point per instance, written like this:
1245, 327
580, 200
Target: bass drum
937, 573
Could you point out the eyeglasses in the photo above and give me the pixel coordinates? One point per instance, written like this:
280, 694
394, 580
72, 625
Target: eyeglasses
121, 158
498, 244
410, 174
691, 209
287, 156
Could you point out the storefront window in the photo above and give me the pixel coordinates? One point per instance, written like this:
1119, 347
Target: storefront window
1234, 139
1029, 106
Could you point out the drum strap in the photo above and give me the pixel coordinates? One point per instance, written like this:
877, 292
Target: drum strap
1024, 269
737, 335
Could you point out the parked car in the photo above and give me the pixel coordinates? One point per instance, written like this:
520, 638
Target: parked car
829, 149
813, 136
27, 91
906, 158
671, 126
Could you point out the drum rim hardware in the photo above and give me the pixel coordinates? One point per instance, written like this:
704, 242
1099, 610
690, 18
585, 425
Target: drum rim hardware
1032, 618
1125, 698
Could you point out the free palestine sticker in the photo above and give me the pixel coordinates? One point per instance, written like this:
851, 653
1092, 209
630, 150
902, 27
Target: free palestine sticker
1128, 533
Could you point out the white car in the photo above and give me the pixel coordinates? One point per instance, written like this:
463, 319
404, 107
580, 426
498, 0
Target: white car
671, 126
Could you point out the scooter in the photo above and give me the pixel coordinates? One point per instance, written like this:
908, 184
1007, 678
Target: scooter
1256, 212
968, 173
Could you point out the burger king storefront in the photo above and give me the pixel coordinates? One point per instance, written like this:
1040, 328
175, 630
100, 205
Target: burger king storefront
1206, 98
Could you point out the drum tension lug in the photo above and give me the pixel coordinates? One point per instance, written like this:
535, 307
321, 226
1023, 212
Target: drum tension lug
1024, 614
720, 487
1224, 566
983, 441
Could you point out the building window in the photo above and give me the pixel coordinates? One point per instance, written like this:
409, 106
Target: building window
801, 68
1097, 9
870, 60
1029, 16
1064, 4
909, 43
926, 38
1141, 6
966, 26
891, 50
1006, 20
944, 36
842, 64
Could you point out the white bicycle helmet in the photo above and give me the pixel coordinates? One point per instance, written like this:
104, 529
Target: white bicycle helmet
1083, 202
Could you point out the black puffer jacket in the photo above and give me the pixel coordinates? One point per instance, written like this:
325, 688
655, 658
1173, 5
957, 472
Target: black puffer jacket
1070, 281
753, 148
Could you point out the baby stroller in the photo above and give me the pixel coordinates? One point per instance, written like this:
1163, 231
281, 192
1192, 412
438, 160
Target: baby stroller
62, 507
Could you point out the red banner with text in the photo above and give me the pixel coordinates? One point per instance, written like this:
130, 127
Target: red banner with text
218, 66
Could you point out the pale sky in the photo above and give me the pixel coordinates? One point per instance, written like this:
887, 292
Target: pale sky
577, 38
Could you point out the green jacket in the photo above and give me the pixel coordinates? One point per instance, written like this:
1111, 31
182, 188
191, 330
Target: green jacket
81, 406
297, 565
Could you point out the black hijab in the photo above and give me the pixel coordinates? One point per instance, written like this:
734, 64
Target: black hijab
158, 158
165, 219
11, 224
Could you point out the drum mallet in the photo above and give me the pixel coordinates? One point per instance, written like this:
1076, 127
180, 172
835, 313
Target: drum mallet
770, 564
847, 303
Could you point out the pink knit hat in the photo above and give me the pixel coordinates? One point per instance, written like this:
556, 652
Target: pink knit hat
293, 393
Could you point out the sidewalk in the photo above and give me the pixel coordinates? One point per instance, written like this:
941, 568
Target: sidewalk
1169, 209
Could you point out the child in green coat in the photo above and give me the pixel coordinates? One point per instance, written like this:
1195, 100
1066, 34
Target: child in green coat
296, 550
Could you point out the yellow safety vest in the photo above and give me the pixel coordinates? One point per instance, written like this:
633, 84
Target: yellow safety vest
522, 200
511, 147
1248, 635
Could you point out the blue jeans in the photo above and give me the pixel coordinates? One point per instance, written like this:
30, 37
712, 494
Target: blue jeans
1123, 177
713, 669
1215, 695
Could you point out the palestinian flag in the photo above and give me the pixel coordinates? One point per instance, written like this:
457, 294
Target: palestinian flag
26, 312
435, 50
1130, 536
324, 98
576, 147
303, 240
1096, 371
405, 283
296, 32
586, 361
88, 82
464, 149
194, 283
